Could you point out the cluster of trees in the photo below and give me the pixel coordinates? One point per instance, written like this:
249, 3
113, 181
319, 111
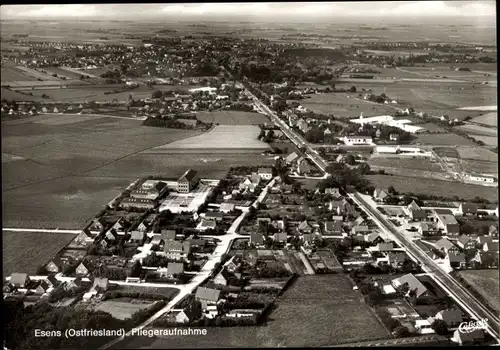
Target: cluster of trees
134, 295
266, 136
269, 271
394, 325
21, 323
155, 260
174, 124
342, 176
424, 197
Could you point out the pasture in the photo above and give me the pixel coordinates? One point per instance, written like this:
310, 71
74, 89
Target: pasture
442, 140
232, 117
488, 119
340, 105
486, 282
222, 137
26, 251
405, 184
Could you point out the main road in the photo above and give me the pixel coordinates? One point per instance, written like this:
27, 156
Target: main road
473, 306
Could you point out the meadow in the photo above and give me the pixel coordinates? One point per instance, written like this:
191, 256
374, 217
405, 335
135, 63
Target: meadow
486, 282
222, 137
340, 105
405, 184
477, 153
406, 163
488, 119
320, 310
232, 117
479, 166
9, 73
26, 251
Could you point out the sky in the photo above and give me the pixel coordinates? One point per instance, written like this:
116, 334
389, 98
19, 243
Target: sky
254, 10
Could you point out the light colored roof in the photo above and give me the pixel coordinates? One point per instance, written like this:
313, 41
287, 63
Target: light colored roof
175, 267
447, 219
207, 294
388, 289
18, 278
413, 283
444, 243
136, 235
227, 206
413, 206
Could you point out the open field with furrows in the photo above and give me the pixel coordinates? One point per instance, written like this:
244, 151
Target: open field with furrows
488, 119
10, 95
121, 308
63, 72
318, 310
405, 184
40, 190
435, 98
339, 105
406, 163
222, 137
477, 130
11, 73
477, 153
442, 139
486, 282
26, 251
232, 117
491, 141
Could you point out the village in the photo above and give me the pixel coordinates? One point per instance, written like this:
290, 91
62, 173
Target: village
226, 250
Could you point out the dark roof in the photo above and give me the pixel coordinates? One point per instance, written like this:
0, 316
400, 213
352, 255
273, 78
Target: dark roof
213, 214
188, 175
413, 283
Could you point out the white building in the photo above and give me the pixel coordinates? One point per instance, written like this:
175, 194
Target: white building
487, 179
358, 140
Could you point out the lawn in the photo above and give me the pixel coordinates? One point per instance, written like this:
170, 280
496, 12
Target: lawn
318, 310
222, 137
404, 184
406, 163
486, 282
232, 117
22, 251
442, 139
339, 105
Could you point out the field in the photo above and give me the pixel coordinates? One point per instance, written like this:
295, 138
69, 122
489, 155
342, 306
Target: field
473, 130
434, 97
222, 137
479, 167
122, 308
486, 283
70, 169
406, 163
442, 139
232, 117
405, 184
63, 73
17, 96
477, 153
318, 310
491, 141
339, 105
22, 251
488, 118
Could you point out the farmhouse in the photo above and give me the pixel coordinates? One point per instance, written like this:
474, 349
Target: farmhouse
358, 140
187, 181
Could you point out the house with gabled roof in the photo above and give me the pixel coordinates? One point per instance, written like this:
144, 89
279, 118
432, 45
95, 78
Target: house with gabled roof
333, 191
84, 268
360, 230
446, 246
98, 225
143, 227
265, 173
189, 314
383, 247
187, 181
73, 284
374, 238
137, 236
456, 259
207, 224
214, 215
175, 269
491, 247
207, 296
485, 259
413, 283
380, 194
291, 158
481, 240
168, 235
55, 265
493, 231
101, 283
467, 208
466, 243
227, 207
333, 228
305, 227
280, 237
223, 277
428, 229
452, 317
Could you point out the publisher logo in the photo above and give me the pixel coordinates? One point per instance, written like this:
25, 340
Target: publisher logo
469, 327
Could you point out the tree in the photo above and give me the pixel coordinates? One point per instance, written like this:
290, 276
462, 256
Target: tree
156, 94
392, 190
374, 297
136, 269
350, 159
440, 327
352, 89
364, 169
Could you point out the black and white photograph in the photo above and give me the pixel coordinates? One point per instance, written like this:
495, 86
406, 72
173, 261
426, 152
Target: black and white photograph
249, 175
